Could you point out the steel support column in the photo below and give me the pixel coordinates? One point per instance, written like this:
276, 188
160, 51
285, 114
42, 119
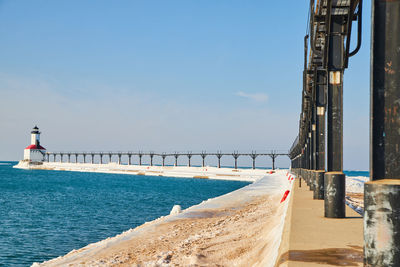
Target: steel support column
235, 156
273, 157
151, 159
203, 155
320, 120
219, 156
253, 157
176, 159
320, 134
335, 183
382, 193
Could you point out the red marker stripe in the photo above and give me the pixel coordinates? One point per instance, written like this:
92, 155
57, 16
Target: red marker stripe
285, 195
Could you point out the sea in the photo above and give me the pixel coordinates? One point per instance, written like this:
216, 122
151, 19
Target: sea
356, 173
45, 214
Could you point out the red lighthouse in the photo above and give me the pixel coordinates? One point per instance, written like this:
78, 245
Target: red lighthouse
34, 152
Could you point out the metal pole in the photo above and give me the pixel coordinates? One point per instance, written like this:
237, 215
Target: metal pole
219, 156
320, 134
382, 193
311, 135
306, 173
320, 120
334, 181
203, 155
273, 162
307, 154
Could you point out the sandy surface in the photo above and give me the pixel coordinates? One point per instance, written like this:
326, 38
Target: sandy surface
242, 228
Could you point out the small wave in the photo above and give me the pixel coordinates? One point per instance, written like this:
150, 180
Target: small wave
4, 163
356, 173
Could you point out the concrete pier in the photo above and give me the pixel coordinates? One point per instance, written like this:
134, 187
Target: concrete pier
309, 239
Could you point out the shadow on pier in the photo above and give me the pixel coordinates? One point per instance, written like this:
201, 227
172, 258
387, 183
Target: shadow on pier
332, 256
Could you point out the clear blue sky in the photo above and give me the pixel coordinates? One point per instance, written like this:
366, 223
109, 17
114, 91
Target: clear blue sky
163, 76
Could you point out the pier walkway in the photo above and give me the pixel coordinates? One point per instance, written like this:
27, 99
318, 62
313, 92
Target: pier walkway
310, 239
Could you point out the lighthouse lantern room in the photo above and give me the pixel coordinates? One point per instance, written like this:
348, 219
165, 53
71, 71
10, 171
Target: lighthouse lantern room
34, 152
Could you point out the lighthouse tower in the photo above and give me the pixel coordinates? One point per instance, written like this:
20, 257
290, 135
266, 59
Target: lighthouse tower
34, 152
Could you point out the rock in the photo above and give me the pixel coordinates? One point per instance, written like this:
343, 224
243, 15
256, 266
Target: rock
176, 209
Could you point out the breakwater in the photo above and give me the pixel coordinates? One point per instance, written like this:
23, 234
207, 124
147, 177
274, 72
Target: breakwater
241, 228
250, 175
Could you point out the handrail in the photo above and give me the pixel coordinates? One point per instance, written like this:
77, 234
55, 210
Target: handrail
359, 32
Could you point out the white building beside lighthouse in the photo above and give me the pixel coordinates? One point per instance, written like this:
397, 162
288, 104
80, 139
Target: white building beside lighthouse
34, 152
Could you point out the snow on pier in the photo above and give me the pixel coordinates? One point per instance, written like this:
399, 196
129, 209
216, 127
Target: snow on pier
206, 172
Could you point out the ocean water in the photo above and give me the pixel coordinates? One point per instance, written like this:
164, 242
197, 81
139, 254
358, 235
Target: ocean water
45, 214
356, 173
